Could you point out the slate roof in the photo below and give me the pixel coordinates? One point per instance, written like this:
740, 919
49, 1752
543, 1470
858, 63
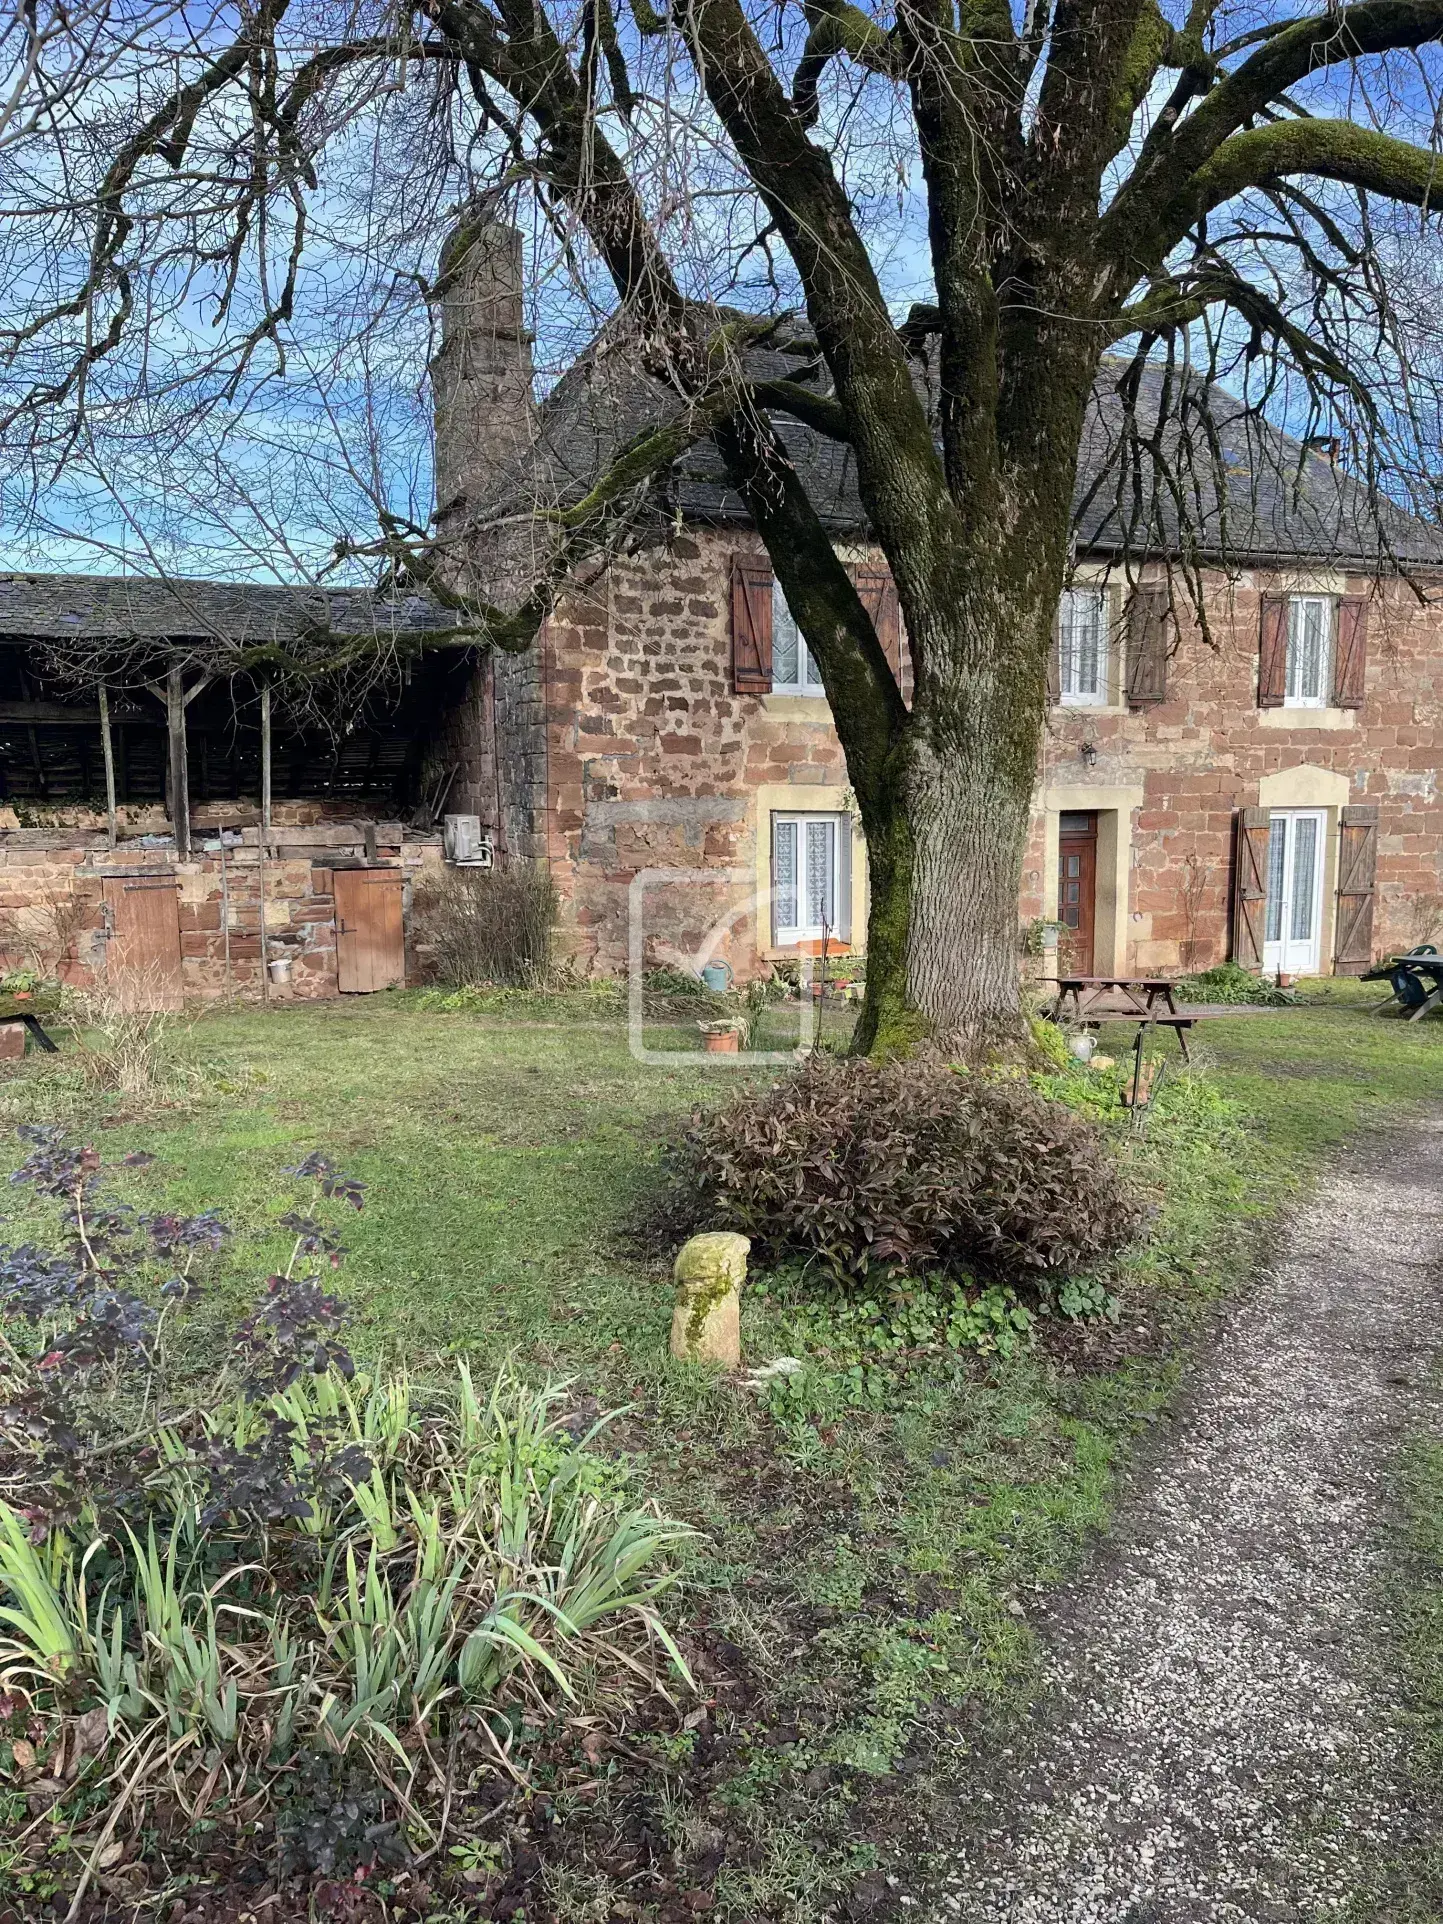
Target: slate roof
1273, 502
101, 607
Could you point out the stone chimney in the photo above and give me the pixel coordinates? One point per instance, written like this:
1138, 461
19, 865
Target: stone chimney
480, 377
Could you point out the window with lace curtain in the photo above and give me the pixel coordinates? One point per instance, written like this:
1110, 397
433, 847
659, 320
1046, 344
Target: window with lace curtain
1082, 648
811, 878
793, 670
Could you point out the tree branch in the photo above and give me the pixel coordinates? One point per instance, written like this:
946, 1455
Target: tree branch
1327, 149
836, 26
1133, 232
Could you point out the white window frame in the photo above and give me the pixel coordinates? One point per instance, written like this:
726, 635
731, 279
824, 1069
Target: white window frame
1069, 664
807, 680
1297, 604
786, 934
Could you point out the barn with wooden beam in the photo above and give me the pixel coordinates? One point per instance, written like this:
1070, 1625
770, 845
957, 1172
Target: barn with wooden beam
174, 818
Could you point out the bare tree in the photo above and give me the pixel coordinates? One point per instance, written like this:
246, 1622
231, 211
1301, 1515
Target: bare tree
1228, 188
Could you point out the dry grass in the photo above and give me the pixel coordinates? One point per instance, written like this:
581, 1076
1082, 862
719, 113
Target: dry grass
125, 1050
477, 927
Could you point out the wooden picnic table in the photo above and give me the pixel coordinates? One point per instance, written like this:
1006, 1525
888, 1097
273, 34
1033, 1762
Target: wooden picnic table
1147, 999
1143, 993
28, 1007
1416, 979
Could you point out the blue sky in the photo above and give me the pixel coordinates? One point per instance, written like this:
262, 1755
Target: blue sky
177, 470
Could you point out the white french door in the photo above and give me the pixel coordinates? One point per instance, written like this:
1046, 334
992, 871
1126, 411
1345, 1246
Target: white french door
1294, 927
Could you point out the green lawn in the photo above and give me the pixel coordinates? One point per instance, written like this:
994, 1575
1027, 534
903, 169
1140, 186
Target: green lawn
875, 1541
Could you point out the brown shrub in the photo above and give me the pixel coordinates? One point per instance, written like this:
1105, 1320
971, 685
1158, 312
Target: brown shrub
906, 1167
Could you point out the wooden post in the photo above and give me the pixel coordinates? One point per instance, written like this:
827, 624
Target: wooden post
263, 836
225, 911
179, 770
108, 749
265, 758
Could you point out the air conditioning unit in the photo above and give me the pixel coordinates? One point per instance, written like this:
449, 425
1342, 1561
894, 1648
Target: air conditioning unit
465, 843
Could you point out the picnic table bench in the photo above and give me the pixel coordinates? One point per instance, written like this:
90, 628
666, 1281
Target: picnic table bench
1416, 980
28, 1007
1091, 1000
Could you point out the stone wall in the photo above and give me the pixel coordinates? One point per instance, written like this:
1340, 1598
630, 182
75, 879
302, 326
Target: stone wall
1208, 750
52, 895
654, 762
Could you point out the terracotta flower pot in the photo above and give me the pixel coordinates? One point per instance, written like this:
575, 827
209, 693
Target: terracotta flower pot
720, 1042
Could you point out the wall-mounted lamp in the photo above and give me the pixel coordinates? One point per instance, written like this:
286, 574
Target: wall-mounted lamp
1088, 753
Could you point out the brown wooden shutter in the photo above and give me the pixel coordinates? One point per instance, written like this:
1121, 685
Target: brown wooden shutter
1250, 886
1273, 652
1147, 646
751, 625
878, 594
1350, 652
1357, 888
1054, 658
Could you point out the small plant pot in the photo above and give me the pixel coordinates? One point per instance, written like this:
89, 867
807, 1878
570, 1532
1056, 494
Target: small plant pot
719, 1039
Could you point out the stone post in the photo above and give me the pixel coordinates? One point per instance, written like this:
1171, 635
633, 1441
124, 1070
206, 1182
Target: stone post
706, 1323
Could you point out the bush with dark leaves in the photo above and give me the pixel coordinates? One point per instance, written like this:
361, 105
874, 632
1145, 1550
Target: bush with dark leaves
904, 1168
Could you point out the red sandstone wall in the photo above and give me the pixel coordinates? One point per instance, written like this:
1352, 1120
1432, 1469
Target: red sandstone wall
654, 761
52, 885
1201, 754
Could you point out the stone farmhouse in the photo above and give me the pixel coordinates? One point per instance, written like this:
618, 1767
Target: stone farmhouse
1262, 783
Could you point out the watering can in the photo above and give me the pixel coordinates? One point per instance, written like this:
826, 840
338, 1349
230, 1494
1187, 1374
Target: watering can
718, 977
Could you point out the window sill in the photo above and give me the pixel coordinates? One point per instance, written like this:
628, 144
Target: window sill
1325, 718
812, 708
807, 945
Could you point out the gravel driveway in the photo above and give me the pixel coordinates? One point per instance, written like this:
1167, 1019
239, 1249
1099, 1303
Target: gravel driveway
1218, 1742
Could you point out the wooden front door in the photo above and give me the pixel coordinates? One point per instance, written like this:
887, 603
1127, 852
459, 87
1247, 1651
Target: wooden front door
370, 939
142, 958
1076, 892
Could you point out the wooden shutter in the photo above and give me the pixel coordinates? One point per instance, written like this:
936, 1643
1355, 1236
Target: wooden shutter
878, 594
1250, 886
1357, 888
1273, 652
751, 625
1147, 646
1350, 652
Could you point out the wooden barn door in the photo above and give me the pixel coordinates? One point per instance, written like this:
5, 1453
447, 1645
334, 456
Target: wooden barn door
370, 939
142, 964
